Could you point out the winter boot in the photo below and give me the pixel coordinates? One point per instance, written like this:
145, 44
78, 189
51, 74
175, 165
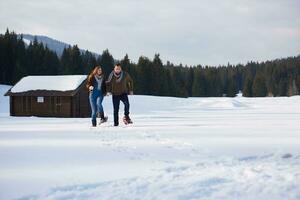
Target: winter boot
94, 123
103, 118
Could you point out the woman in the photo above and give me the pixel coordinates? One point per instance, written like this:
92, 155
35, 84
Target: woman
97, 90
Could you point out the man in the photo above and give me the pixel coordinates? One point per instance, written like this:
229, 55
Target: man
120, 84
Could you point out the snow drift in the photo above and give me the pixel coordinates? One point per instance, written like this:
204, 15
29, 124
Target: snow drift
195, 148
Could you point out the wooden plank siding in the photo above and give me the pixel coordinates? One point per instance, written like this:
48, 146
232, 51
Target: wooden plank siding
56, 104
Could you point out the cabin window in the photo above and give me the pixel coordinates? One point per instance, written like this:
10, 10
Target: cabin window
40, 99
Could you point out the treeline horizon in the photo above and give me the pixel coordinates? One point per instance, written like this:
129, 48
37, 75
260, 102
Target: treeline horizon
279, 77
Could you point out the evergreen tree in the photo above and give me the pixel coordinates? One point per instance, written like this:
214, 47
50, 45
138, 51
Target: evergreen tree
259, 88
247, 89
106, 61
199, 84
125, 63
88, 61
279, 77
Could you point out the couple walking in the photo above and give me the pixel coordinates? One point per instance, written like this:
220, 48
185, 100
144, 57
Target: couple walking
119, 84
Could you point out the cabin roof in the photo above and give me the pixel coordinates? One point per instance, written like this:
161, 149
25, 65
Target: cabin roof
61, 85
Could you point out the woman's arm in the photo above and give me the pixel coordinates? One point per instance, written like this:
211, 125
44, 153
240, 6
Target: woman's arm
89, 84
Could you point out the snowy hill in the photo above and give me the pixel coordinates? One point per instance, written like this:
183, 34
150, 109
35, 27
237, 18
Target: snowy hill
52, 44
194, 148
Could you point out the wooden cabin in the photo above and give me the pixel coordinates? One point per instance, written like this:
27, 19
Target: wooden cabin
50, 96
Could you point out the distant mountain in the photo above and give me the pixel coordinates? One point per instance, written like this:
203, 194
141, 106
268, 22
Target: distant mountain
51, 43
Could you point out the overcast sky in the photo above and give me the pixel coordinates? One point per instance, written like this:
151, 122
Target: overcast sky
190, 32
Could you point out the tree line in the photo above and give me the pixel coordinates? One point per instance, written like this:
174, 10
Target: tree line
280, 77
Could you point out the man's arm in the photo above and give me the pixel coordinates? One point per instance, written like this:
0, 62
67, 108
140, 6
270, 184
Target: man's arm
108, 83
129, 84
108, 86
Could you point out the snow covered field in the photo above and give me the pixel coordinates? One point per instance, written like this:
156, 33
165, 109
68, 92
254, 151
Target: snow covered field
195, 148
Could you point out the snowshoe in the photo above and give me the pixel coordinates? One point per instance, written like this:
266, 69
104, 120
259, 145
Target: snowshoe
127, 120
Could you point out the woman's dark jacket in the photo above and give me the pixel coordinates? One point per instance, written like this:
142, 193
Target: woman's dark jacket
91, 81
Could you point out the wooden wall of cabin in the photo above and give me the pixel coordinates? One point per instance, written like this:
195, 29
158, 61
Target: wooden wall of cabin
84, 108
50, 107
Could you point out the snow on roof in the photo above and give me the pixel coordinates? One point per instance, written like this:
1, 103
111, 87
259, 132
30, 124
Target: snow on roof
57, 83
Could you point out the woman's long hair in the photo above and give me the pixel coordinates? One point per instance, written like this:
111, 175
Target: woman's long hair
95, 70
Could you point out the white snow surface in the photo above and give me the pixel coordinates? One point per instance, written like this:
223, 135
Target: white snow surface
194, 148
57, 83
4, 100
